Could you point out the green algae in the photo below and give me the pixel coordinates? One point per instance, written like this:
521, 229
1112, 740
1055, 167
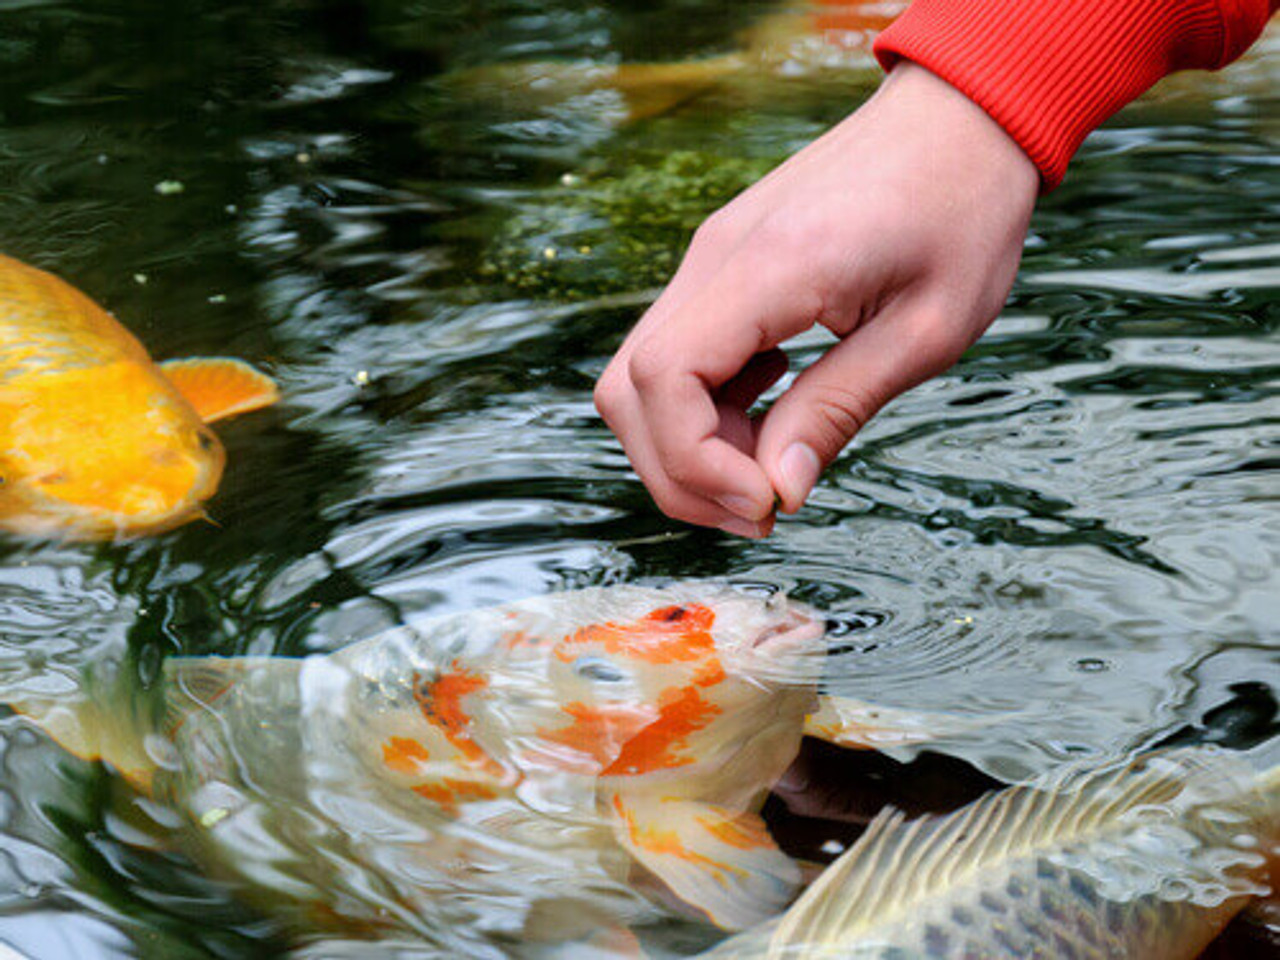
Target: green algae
613, 228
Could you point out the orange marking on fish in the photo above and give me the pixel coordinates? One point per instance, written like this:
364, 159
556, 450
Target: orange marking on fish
710, 673
601, 733
745, 833
518, 639
404, 755
441, 703
449, 792
658, 746
663, 841
665, 635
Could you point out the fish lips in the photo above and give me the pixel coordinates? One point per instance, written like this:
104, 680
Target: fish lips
789, 650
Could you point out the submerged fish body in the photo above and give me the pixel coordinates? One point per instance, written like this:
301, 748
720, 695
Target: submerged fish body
1145, 860
96, 440
540, 770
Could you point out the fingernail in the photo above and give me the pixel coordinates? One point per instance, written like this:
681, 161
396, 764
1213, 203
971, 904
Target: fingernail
738, 506
743, 528
799, 467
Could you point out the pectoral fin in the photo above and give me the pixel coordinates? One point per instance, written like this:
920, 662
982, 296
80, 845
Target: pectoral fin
219, 388
722, 862
854, 723
81, 728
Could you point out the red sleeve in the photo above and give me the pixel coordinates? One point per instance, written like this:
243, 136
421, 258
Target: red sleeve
1050, 71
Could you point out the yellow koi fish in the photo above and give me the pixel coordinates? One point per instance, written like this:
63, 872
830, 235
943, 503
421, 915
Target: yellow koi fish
96, 440
1146, 860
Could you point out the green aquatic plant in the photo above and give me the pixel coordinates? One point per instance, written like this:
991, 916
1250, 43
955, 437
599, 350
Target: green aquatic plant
609, 230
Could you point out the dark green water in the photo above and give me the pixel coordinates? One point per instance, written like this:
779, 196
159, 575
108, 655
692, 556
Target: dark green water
1072, 537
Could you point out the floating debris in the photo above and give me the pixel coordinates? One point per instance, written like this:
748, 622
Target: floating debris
214, 816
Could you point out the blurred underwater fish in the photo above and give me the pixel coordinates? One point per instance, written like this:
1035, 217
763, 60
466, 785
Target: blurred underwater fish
96, 440
801, 37
581, 760
1142, 860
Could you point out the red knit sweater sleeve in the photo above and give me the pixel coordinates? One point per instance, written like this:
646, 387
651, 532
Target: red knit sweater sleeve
1050, 71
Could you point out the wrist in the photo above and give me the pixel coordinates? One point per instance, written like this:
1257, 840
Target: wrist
967, 148
1051, 71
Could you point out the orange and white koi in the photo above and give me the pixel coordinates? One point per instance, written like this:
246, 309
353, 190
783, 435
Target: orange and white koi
96, 440
580, 761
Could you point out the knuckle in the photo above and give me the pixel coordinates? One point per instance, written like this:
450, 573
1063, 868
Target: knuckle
780, 234
789, 251
682, 468
608, 394
648, 367
935, 335
717, 230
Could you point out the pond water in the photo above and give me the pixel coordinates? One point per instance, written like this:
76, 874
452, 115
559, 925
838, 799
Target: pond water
1071, 538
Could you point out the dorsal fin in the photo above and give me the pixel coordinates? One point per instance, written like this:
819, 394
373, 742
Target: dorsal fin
896, 864
219, 387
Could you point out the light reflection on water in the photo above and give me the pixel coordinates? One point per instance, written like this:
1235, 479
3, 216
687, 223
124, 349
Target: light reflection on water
1069, 539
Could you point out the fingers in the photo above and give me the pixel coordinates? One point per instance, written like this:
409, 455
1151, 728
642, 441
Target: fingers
678, 391
704, 352
761, 372
834, 398
734, 399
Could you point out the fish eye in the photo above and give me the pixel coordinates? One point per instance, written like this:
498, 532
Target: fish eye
205, 439
593, 668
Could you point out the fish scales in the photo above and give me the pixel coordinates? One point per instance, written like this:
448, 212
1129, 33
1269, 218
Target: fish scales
53, 325
1141, 861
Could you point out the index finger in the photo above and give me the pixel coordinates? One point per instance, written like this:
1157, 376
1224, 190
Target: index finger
703, 344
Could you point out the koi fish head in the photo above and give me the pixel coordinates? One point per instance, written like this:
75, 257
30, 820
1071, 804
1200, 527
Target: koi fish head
103, 451
661, 679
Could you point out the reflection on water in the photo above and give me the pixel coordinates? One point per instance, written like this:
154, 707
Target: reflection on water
1067, 542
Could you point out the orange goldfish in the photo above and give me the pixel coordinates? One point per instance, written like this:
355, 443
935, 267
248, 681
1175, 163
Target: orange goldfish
96, 440
580, 761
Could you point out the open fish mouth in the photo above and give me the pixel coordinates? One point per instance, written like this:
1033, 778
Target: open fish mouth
796, 632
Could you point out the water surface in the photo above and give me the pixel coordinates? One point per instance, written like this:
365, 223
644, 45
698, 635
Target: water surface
1071, 537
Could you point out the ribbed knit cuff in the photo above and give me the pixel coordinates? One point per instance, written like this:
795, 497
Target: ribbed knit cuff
1050, 71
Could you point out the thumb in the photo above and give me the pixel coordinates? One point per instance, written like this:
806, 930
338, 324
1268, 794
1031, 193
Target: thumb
835, 397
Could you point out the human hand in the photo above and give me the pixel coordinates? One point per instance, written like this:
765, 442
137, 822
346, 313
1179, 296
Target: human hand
900, 231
